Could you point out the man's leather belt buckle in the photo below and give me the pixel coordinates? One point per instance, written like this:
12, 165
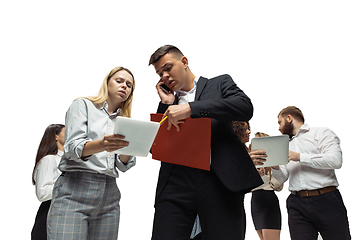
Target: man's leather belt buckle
315, 192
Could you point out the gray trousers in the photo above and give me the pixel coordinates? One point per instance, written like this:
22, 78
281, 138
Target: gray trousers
84, 206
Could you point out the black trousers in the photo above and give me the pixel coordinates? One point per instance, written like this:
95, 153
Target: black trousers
325, 214
189, 192
39, 229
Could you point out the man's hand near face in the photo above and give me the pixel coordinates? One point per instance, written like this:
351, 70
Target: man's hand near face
165, 97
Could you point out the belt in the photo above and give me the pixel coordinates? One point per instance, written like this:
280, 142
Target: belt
315, 192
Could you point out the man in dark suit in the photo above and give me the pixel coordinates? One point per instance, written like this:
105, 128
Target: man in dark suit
182, 192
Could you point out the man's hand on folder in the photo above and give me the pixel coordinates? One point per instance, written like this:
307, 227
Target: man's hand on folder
176, 114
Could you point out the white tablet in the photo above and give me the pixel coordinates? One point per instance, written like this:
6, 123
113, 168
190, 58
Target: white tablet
276, 147
139, 134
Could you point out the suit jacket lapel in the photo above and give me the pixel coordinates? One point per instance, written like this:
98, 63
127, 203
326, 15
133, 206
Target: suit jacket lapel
200, 87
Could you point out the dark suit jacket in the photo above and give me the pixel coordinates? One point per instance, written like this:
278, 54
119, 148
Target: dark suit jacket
221, 100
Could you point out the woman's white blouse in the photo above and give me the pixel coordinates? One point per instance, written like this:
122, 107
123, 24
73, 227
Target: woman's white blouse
45, 176
269, 184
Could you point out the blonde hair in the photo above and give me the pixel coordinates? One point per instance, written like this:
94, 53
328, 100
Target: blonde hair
102, 96
260, 134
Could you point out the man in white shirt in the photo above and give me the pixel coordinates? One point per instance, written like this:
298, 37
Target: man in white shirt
315, 204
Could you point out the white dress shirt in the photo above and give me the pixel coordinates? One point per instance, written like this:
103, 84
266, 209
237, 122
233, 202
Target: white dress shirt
186, 97
45, 176
320, 155
85, 122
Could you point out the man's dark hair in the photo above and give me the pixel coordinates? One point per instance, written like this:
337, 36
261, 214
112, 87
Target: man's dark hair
294, 112
161, 51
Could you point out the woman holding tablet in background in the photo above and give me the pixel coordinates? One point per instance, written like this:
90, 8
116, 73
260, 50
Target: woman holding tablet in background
45, 173
265, 209
86, 198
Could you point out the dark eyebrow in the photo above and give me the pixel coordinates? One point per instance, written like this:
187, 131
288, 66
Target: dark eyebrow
163, 66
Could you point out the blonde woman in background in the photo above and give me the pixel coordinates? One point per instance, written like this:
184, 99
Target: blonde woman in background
265, 209
85, 202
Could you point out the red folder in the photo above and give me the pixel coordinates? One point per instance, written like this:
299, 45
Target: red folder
191, 146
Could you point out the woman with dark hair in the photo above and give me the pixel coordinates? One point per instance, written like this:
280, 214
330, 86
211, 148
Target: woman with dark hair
242, 130
45, 173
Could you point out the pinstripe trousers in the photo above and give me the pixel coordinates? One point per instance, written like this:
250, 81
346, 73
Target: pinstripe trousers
84, 206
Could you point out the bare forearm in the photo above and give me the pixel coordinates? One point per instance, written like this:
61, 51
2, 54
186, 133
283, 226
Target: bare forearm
124, 158
93, 147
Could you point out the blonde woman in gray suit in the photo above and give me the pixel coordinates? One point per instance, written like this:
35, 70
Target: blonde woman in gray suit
85, 202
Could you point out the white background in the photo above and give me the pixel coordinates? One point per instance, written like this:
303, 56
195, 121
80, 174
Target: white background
281, 53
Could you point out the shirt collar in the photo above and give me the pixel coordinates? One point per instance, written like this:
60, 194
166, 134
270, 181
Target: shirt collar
303, 129
183, 93
60, 153
105, 107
